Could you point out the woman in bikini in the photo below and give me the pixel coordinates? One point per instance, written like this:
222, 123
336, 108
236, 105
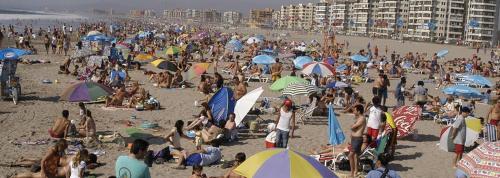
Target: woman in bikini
53, 164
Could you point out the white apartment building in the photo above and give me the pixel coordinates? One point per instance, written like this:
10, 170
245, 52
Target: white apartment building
385, 17
455, 20
420, 13
359, 13
193, 14
339, 12
321, 15
483, 12
305, 16
232, 17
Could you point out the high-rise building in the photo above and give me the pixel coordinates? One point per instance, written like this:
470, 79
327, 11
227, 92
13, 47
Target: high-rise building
321, 15
388, 18
211, 16
455, 20
481, 22
232, 17
261, 17
339, 13
359, 13
421, 19
305, 16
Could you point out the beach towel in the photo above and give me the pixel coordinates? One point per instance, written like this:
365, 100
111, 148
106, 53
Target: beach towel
31, 142
116, 108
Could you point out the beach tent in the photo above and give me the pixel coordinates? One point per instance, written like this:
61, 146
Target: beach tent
335, 134
245, 103
282, 163
222, 104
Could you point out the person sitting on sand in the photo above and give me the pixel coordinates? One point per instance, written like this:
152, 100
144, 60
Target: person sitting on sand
230, 130
78, 164
87, 126
133, 89
204, 118
64, 68
204, 85
51, 164
165, 80
239, 158
177, 79
75, 71
61, 125
139, 97
240, 89
117, 98
132, 165
205, 157
174, 138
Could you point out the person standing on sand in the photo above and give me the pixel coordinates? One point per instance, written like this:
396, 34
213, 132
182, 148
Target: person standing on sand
356, 138
276, 70
284, 119
133, 166
399, 93
458, 134
61, 125
374, 119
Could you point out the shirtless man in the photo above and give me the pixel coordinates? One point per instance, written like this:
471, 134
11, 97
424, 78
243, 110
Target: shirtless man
356, 138
494, 116
61, 125
276, 70
241, 89
117, 98
377, 86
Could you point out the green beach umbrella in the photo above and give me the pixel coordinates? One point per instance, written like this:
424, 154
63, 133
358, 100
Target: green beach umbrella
282, 83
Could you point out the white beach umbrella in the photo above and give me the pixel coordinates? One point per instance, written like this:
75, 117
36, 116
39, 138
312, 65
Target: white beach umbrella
245, 103
253, 40
92, 33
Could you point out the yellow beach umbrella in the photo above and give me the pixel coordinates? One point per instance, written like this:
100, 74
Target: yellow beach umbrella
144, 57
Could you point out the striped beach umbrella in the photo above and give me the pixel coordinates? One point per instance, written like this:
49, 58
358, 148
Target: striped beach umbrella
85, 92
172, 50
483, 161
283, 82
282, 163
299, 89
319, 68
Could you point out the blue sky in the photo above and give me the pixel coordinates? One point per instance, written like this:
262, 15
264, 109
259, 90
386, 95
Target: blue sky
240, 5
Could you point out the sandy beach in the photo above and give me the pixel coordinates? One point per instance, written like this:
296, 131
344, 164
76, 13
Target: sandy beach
40, 105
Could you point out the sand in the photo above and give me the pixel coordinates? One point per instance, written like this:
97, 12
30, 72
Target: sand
39, 106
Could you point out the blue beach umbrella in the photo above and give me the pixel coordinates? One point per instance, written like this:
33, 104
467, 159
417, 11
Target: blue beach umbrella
10, 52
478, 79
460, 90
234, 45
442, 53
98, 38
263, 59
359, 58
222, 104
337, 85
341, 67
335, 133
300, 61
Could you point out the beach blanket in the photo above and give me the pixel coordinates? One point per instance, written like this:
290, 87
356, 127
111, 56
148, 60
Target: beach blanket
110, 108
31, 142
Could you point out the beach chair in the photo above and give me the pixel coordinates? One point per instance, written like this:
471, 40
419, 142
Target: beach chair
307, 113
490, 133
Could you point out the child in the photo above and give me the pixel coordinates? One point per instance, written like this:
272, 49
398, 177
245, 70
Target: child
198, 172
198, 140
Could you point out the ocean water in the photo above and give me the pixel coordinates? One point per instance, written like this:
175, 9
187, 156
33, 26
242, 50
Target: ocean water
39, 19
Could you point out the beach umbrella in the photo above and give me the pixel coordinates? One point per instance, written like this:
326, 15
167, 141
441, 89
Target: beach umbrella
221, 105
283, 82
260, 37
359, 58
473, 127
85, 92
12, 53
245, 103
263, 59
335, 134
197, 70
445, 141
337, 84
98, 38
144, 57
329, 60
189, 48
341, 67
442, 53
234, 45
92, 33
172, 50
319, 68
478, 79
460, 90
121, 75
165, 65
483, 161
405, 117
282, 163
253, 40
300, 61
299, 89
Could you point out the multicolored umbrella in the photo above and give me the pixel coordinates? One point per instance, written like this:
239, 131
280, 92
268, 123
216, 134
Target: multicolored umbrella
299, 89
144, 57
196, 70
319, 68
85, 92
172, 50
282, 83
166, 65
263, 59
473, 126
483, 161
405, 118
300, 61
282, 163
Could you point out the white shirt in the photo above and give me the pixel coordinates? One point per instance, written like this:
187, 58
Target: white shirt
75, 171
374, 118
284, 122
